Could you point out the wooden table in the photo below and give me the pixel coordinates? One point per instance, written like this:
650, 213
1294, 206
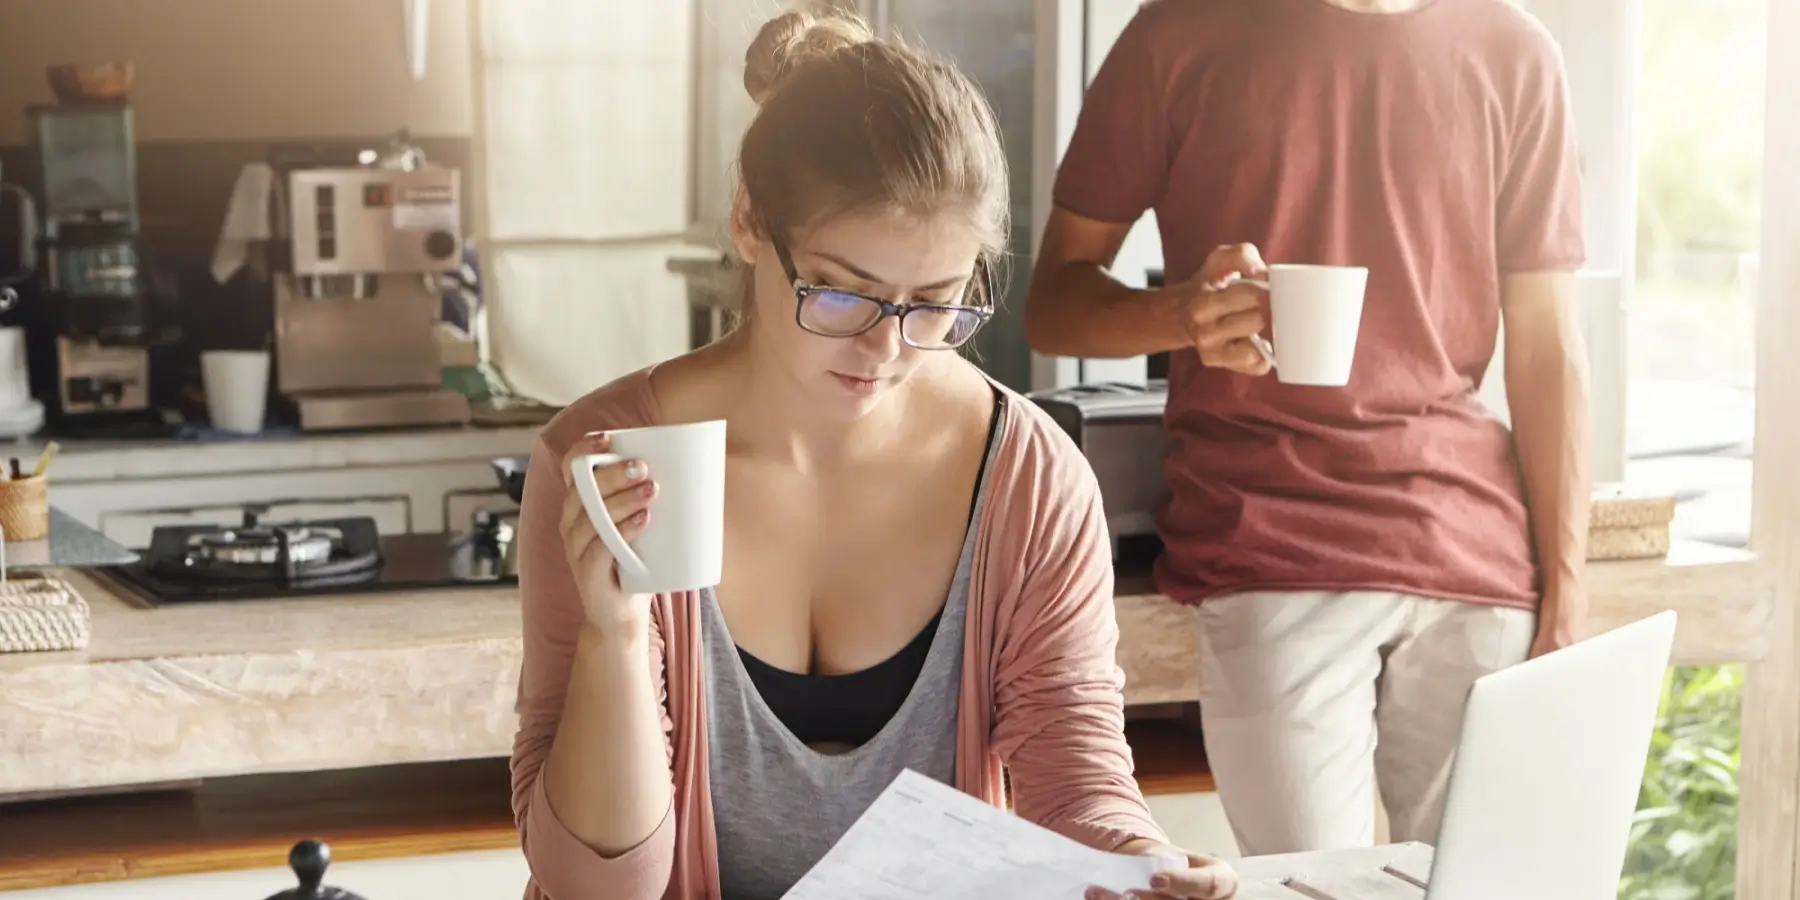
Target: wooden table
1391, 872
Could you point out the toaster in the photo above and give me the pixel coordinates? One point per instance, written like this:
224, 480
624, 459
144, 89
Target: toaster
1119, 428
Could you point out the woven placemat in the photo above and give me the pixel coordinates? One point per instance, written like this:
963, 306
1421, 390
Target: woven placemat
40, 614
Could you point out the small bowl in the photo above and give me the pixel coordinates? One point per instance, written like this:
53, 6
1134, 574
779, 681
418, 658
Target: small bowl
89, 82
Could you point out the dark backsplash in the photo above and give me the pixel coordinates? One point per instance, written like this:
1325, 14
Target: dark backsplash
183, 187
183, 190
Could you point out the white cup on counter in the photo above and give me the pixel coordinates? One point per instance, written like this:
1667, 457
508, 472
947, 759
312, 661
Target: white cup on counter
237, 388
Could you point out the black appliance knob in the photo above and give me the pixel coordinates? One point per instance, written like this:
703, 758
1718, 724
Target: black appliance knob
440, 245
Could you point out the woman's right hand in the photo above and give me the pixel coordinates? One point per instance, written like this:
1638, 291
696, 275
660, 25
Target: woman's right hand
628, 490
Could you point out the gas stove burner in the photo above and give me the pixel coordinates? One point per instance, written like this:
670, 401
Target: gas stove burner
295, 554
263, 546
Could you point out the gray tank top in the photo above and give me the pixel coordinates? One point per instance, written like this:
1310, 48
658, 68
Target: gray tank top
778, 805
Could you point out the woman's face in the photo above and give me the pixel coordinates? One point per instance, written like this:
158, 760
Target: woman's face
900, 259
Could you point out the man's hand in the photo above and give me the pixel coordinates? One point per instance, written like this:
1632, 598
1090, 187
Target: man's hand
1221, 314
1562, 620
1205, 878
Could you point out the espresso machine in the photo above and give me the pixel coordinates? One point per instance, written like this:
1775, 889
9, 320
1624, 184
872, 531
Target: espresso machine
92, 268
357, 305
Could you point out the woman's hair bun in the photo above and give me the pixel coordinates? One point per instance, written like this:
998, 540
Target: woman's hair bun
793, 39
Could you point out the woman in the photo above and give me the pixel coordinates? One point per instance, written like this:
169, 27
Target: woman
916, 565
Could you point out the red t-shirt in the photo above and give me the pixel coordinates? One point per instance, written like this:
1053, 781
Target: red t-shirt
1434, 147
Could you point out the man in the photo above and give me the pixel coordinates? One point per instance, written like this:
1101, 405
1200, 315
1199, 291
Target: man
1360, 554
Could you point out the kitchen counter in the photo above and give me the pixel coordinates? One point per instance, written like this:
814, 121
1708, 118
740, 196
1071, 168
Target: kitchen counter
1159, 648
208, 690
202, 690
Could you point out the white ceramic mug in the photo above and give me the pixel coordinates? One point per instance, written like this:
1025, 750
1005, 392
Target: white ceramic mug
237, 388
683, 546
1316, 314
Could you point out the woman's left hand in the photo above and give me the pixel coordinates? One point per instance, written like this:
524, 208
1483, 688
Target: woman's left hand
1205, 878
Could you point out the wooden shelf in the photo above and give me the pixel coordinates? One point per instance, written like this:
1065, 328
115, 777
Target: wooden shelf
251, 821
1170, 757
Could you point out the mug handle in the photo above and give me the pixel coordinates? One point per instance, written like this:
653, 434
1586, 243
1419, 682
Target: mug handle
582, 470
1262, 345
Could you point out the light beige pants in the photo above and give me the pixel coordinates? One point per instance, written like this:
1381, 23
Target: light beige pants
1309, 700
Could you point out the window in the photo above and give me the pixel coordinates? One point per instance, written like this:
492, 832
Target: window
579, 105
1699, 183
1699, 114
1669, 105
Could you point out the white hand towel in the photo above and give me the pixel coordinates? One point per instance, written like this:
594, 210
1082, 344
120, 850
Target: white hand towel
246, 220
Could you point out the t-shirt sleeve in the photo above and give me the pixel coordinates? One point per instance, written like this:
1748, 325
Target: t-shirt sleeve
1117, 162
1538, 225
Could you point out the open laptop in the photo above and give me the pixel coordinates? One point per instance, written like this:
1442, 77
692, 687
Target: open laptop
1546, 776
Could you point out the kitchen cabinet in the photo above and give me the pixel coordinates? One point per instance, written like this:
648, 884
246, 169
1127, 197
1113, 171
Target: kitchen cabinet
418, 482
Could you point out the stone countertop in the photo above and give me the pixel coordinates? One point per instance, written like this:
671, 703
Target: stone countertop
214, 689
211, 689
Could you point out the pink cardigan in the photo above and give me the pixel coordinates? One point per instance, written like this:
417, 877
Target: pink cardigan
1041, 693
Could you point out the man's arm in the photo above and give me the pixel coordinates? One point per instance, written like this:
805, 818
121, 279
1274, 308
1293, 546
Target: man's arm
1547, 391
1077, 308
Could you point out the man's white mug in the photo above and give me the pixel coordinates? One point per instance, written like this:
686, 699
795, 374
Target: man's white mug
682, 547
1316, 314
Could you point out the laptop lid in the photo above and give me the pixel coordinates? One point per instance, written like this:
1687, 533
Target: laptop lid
1546, 776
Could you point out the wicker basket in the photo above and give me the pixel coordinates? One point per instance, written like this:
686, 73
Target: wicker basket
38, 614
25, 508
1625, 524
90, 82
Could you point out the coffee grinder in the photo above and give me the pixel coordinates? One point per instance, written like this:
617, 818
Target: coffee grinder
357, 306
92, 270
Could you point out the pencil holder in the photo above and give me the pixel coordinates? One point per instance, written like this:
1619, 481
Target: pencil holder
25, 508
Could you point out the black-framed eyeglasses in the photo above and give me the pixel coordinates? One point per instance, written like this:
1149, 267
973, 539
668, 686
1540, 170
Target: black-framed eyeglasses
834, 312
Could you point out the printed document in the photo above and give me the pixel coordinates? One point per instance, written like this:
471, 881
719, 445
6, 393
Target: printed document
924, 840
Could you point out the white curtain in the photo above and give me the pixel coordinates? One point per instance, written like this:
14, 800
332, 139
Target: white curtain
585, 159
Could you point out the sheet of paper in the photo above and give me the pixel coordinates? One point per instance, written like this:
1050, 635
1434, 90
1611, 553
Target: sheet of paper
924, 840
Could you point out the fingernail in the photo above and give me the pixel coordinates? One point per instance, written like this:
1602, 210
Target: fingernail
634, 471
649, 489
1159, 881
643, 515
1094, 894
